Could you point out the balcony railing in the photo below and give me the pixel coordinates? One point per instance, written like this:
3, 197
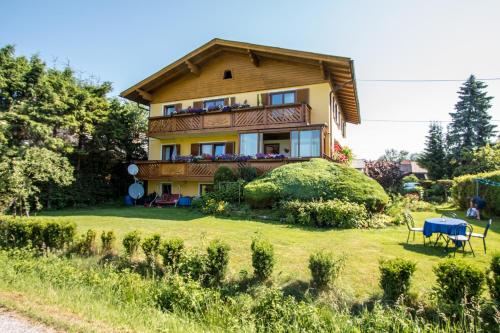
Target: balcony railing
276, 116
202, 170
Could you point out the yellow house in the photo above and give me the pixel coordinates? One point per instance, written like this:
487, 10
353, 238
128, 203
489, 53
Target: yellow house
239, 104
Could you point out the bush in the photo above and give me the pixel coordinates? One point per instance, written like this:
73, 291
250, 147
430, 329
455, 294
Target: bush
395, 277
41, 233
217, 261
224, 174
214, 207
314, 180
172, 251
410, 179
229, 192
247, 173
108, 241
494, 278
464, 188
262, 259
324, 269
151, 248
458, 282
86, 245
193, 266
331, 213
131, 243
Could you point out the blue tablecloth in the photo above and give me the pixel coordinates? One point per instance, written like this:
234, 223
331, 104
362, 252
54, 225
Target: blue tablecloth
444, 226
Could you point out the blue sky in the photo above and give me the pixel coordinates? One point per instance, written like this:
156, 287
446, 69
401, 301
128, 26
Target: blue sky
124, 41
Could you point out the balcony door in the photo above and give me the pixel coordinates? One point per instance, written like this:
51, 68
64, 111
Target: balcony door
168, 152
306, 143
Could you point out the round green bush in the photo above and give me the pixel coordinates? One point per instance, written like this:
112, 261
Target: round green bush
314, 180
224, 174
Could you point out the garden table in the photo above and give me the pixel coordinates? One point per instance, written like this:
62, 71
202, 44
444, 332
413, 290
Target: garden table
444, 225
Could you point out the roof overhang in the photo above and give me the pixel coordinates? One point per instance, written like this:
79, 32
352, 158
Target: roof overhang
339, 71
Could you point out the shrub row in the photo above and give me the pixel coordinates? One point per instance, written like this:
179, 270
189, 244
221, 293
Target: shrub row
331, 213
49, 234
464, 188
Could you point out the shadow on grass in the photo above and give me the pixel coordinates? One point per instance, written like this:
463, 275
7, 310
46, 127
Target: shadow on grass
428, 249
298, 289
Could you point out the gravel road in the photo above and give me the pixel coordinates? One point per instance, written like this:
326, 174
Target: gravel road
13, 323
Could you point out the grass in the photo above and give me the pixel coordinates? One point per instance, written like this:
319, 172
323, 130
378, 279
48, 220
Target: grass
293, 245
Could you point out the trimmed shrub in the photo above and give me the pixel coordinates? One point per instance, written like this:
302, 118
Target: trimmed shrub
193, 266
217, 262
151, 248
324, 269
41, 233
108, 241
131, 243
411, 178
262, 259
86, 245
224, 174
331, 213
314, 180
395, 275
172, 251
494, 278
247, 173
464, 188
458, 282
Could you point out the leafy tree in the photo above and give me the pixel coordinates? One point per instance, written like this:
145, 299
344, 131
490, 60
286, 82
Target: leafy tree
471, 126
394, 155
483, 159
434, 157
386, 173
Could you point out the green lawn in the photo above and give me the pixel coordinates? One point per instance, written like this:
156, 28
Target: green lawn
293, 245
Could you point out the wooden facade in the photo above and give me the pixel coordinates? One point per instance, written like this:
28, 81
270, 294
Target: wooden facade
253, 118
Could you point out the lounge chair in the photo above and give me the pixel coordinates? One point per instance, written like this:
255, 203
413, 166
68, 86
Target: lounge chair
167, 199
483, 235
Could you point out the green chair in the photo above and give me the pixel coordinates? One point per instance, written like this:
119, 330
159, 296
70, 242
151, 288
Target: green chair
410, 224
483, 235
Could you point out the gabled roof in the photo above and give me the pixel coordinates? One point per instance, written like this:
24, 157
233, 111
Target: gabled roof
339, 71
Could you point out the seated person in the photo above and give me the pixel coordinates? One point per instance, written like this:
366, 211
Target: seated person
479, 204
472, 212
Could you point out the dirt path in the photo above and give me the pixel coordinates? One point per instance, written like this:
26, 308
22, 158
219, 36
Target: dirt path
11, 322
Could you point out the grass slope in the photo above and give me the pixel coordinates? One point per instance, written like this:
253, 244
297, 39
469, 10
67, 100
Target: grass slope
293, 244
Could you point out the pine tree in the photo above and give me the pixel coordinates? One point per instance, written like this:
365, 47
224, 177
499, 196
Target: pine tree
471, 125
434, 157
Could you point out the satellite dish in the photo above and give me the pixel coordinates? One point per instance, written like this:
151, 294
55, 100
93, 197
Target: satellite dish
136, 191
133, 169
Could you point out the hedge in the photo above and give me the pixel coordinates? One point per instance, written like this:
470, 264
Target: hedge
41, 233
464, 188
316, 179
331, 213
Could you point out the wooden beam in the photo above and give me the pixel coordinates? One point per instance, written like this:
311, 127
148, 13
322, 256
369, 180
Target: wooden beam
324, 72
253, 58
144, 94
195, 69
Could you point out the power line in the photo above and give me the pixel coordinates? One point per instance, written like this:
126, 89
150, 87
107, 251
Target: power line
414, 121
425, 80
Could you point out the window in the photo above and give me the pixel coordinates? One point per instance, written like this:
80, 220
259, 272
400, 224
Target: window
228, 74
213, 149
206, 149
205, 188
249, 144
168, 152
272, 148
168, 110
215, 103
283, 98
219, 149
166, 188
344, 128
306, 143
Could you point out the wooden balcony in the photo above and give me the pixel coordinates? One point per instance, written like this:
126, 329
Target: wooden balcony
202, 170
253, 118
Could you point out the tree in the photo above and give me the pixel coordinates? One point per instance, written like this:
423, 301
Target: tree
396, 156
386, 173
483, 159
471, 126
434, 157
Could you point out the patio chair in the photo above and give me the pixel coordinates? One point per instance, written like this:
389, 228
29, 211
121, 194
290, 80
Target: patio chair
483, 235
410, 224
457, 237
